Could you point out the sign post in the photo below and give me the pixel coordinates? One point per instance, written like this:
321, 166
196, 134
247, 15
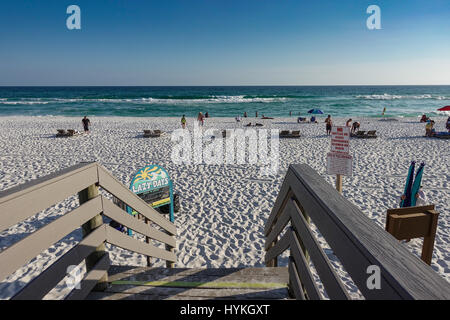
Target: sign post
339, 161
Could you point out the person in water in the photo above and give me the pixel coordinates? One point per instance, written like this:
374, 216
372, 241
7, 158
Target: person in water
183, 122
86, 123
329, 124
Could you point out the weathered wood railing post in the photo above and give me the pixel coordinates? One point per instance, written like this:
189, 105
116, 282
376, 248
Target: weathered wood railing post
84, 196
170, 264
147, 240
274, 262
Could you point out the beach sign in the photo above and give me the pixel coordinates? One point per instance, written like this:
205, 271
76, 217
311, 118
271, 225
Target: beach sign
153, 185
339, 160
339, 163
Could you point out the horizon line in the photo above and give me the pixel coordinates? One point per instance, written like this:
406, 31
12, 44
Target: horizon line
238, 85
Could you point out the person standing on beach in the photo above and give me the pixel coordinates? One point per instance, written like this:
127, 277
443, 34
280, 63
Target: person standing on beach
349, 121
86, 123
183, 122
200, 118
329, 124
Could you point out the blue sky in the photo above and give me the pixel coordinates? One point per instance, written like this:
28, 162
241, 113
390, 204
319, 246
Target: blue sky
224, 42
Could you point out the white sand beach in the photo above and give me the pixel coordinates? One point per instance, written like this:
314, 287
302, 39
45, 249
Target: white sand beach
223, 207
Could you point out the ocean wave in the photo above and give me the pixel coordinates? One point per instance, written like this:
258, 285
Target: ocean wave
386, 96
23, 102
174, 100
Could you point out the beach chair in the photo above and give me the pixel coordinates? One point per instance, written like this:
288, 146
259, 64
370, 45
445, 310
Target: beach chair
152, 133
358, 134
295, 134
371, 134
61, 133
70, 132
284, 134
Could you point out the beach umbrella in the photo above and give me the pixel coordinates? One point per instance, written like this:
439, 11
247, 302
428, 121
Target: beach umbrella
446, 108
315, 111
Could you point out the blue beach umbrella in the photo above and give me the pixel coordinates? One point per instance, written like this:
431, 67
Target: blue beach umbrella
315, 111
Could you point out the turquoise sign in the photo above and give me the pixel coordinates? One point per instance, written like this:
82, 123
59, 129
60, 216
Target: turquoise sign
150, 178
147, 184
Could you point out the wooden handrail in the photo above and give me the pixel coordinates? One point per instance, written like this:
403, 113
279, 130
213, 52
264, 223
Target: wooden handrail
354, 239
22, 202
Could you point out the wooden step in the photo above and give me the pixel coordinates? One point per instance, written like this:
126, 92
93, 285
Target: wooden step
195, 283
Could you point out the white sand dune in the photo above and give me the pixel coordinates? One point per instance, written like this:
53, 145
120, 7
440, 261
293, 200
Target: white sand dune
223, 207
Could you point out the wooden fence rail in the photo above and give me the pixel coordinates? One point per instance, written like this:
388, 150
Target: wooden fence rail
24, 201
356, 241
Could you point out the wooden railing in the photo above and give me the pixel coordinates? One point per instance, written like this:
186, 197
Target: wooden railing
22, 202
355, 240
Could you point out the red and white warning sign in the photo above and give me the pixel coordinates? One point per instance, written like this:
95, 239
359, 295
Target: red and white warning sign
340, 139
339, 161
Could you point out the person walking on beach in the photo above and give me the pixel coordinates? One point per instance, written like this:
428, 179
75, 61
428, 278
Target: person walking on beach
329, 124
86, 123
200, 118
183, 122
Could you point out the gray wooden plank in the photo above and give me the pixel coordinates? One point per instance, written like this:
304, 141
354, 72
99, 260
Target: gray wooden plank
116, 213
283, 195
280, 224
294, 281
29, 199
358, 243
26, 249
331, 281
145, 293
51, 276
91, 279
121, 240
159, 272
303, 269
116, 188
279, 247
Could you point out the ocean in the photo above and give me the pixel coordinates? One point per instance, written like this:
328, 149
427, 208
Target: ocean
273, 101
